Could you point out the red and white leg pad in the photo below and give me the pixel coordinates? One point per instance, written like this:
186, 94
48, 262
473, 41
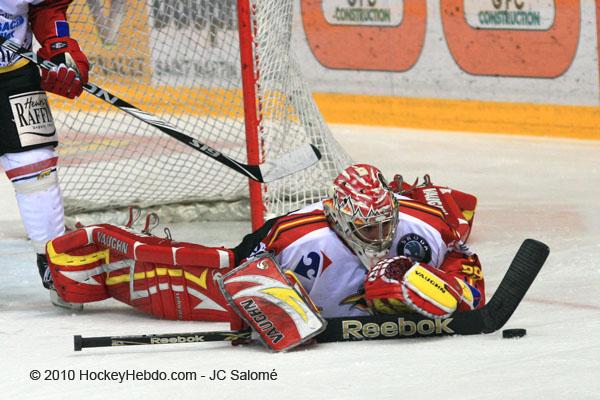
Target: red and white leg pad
167, 279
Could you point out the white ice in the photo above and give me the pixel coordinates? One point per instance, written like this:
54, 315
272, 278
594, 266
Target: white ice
547, 189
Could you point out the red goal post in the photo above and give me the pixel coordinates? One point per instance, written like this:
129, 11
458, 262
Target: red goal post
251, 115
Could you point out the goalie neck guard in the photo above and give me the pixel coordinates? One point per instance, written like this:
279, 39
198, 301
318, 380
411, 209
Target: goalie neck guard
363, 212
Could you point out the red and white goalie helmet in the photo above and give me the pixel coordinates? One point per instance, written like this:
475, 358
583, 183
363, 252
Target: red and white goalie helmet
363, 212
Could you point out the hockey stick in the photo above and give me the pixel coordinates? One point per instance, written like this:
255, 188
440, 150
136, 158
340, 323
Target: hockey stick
296, 160
520, 275
167, 338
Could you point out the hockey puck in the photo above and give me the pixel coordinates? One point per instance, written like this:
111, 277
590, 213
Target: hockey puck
513, 333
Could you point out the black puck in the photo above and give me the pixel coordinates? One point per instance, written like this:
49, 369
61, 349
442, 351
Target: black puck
513, 333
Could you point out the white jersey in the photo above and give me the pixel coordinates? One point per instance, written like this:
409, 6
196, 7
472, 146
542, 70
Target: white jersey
330, 272
14, 25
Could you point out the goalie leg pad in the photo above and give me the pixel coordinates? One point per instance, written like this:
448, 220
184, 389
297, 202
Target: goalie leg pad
263, 296
144, 271
77, 268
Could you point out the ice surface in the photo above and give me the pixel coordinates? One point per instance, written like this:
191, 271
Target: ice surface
547, 189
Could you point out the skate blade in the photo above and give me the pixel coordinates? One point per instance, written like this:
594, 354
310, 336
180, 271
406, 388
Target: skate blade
58, 302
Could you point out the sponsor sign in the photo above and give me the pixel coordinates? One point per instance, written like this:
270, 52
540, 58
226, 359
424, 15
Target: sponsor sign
510, 14
376, 35
32, 118
363, 12
490, 37
415, 247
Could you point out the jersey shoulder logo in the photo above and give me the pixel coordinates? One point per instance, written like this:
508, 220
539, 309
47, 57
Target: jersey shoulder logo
308, 266
415, 247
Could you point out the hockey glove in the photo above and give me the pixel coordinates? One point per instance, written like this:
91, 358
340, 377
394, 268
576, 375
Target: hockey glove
71, 73
397, 285
458, 207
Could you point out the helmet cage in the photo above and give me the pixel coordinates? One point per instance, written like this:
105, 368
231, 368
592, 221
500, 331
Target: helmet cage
363, 212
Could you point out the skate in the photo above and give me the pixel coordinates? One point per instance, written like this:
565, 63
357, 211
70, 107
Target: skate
47, 282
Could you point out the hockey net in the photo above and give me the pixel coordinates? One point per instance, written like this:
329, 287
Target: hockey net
180, 60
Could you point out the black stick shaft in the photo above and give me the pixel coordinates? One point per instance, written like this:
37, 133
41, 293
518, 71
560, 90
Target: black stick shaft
166, 338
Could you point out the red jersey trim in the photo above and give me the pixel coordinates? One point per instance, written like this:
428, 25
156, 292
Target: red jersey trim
294, 228
431, 215
423, 207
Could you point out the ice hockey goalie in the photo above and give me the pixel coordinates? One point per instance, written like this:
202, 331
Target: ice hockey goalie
370, 248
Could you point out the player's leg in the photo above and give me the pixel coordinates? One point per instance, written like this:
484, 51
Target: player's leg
28, 157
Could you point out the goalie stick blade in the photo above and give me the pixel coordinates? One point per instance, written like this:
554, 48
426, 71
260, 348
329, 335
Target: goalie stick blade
298, 159
520, 275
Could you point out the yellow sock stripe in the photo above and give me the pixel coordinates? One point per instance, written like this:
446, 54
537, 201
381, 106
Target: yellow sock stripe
66, 260
291, 224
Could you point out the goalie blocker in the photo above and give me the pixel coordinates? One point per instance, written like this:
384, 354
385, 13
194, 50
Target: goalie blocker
273, 303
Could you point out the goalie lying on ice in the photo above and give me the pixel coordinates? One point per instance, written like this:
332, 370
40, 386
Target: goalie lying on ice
369, 248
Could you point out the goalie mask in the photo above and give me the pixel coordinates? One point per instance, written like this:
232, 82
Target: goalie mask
363, 212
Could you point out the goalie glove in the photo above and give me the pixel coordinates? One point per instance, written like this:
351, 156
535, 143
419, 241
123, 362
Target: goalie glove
71, 73
397, 285
278, 309
458, 207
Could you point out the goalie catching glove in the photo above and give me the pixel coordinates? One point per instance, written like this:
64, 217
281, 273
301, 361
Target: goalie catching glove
458, 207
397, 285
273, 303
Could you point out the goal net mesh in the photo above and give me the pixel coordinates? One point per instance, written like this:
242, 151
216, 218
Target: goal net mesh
179, 60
